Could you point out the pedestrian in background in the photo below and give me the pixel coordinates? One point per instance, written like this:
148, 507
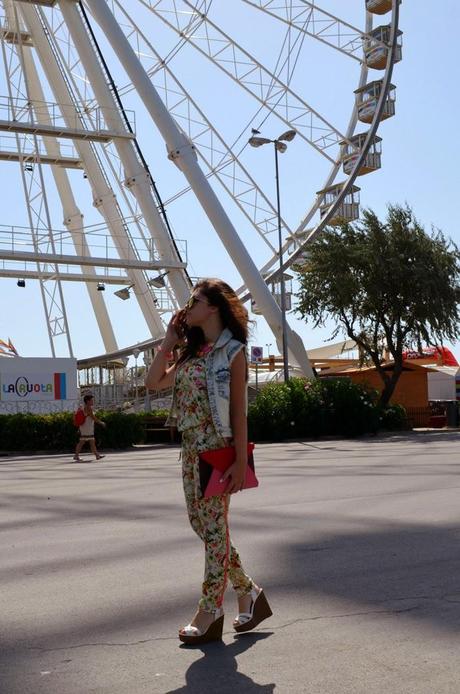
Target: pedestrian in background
87, 430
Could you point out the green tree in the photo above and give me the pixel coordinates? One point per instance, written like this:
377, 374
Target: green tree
388, 285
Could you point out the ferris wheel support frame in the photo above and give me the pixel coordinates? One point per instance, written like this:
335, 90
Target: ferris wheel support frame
182, 153
72, 216
34, 188
104, 197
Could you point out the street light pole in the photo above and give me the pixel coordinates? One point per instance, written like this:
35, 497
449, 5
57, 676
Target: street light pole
136, 353
279, 146
282, 285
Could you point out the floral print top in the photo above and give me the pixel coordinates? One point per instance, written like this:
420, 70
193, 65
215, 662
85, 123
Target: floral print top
191, 392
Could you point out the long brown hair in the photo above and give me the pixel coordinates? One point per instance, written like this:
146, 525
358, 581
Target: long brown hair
232, 313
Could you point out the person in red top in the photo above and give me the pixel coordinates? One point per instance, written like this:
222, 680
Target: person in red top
87, 430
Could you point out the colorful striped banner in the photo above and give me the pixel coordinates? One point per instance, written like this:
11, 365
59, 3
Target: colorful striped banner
60, 386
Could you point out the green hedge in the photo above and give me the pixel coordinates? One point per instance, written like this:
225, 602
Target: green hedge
320, 407
298, 409
57, 432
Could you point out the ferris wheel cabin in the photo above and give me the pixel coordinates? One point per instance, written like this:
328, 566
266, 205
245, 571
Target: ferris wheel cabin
367, 99
347, 211
376, 47
379, 6
352, 149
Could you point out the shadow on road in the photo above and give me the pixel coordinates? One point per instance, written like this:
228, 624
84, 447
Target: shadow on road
405, 569
217, 669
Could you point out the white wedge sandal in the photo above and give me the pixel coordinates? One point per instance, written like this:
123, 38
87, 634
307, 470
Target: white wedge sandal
190, 634
260, 610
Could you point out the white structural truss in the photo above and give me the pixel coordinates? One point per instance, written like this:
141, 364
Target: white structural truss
90, 88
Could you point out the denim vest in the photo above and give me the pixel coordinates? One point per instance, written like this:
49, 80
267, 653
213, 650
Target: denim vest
218, 363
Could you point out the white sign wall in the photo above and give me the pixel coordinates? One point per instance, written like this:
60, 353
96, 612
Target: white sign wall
35, 379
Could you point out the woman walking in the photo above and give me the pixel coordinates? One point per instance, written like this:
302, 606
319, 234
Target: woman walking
209, 382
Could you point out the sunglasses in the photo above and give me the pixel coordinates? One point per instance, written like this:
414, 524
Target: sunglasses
194, 300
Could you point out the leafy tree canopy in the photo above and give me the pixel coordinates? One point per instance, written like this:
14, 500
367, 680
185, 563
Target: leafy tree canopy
388, 285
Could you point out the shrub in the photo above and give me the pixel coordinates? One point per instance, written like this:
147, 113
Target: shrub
121, 430
56, 432
394, 418
270, 416
350, 408
312, 409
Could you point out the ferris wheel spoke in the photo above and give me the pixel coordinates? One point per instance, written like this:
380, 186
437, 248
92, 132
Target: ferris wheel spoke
239, 65
184, 20
310, 19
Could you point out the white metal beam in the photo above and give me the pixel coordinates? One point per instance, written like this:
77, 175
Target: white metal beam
65, 276
14, 126
34, 158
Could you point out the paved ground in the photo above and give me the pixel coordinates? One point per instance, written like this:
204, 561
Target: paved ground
356, 542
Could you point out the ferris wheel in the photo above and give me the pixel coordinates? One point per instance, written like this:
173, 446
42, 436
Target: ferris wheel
120, 118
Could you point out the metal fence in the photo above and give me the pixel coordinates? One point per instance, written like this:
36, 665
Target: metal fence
38, 406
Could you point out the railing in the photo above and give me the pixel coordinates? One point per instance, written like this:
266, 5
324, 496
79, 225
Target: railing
96, 242
86, 117
28, 146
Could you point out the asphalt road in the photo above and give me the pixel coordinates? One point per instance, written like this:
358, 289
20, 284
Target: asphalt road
357, 544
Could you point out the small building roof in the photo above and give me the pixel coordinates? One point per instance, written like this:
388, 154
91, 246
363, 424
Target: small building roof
447, 370
408, 365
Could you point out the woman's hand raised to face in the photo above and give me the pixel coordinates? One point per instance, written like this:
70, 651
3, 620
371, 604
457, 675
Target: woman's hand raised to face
175, 330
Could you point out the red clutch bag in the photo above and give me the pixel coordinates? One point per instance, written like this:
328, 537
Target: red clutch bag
214, 463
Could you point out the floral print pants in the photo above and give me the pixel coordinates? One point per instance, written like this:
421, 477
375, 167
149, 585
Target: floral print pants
209, 519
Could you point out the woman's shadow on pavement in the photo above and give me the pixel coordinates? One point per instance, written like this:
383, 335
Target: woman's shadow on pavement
217, 671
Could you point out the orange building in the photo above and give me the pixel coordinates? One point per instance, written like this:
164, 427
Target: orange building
411, 389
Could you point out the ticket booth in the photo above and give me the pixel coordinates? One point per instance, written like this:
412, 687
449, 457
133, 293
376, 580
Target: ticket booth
379, 6
367, 99
376, 47
351, 150
348, 209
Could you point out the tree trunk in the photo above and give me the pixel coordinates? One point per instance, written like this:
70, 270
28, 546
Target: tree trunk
389, 385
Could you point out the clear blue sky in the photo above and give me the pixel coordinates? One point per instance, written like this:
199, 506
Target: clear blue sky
420, 159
